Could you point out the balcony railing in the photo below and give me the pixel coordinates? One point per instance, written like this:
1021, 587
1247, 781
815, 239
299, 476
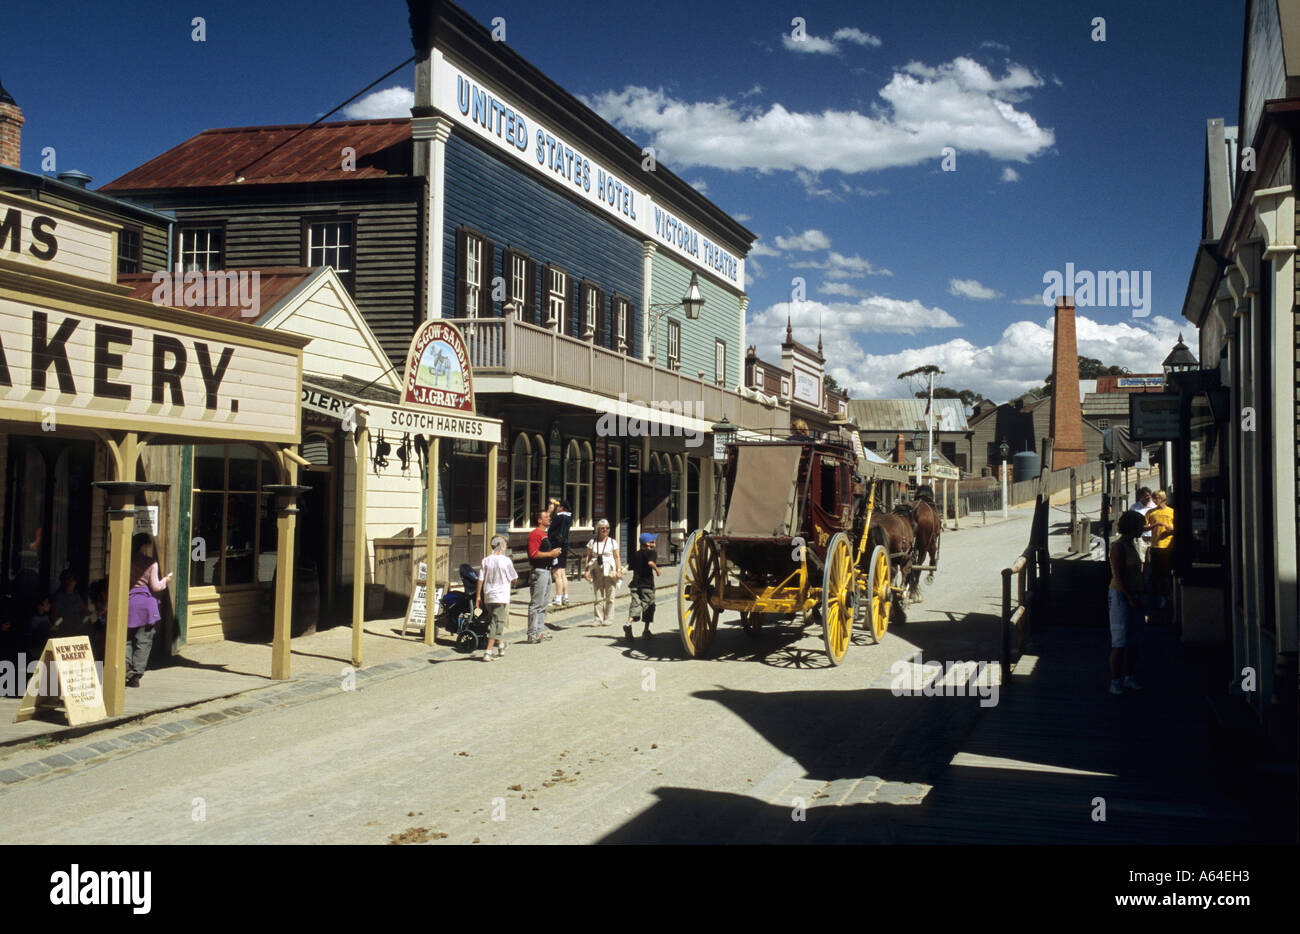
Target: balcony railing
507, 346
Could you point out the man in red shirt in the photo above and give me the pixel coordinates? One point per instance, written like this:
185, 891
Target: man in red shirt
540, 554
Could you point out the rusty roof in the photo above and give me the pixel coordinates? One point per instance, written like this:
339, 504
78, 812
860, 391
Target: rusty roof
905, 414
273, 284
216, 158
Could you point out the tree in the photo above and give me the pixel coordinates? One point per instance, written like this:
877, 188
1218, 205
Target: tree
968, 397
831, 385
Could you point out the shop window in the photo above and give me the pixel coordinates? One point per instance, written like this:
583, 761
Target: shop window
202, 248
128, 250
235, 520
473, 273
527, 479
332, 243
674, 344
577, 481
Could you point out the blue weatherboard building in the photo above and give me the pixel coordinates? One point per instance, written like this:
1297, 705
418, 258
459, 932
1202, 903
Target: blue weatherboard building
563, 254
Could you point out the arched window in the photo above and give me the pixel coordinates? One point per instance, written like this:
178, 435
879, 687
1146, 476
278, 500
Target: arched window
675, 498
520, 472
577, 480
537, 478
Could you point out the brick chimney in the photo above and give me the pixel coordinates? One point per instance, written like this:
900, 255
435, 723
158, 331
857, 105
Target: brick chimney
1067, 414
11, 129
900, 450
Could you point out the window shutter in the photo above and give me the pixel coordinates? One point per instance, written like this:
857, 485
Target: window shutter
530, 309
602, 329
574, 322
544, 297
485, 284
461, 251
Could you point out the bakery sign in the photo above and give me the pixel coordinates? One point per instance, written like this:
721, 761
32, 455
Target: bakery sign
437, 369
113, 369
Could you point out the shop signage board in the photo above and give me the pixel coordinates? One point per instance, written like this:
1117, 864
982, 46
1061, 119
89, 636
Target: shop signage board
522, 137
71, 664
457, 425
1140, 382
133, 366
1153, 416
941, 471
437, 369
50, 239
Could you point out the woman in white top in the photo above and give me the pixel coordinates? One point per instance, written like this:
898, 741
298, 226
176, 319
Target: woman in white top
603, 568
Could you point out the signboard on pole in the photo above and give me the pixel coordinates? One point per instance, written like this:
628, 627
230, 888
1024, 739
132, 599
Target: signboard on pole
1153, 416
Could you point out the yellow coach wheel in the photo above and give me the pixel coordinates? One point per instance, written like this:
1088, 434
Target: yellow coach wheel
879, 592
837, 597
701, 579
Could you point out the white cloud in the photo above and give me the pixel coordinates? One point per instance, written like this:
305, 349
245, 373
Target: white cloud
847, 289
924, 109
853, 34
808, 44
1009, 174
700, 185
806, 241
838, 266
971, 288
1032, 300
762, 249
840, 321
742, 218
390, 102
1018, 361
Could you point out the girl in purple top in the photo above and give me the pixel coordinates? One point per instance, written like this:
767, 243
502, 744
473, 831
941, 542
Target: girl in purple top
142, 607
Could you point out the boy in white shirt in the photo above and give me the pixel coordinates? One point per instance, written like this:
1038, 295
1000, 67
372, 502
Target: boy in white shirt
495, 576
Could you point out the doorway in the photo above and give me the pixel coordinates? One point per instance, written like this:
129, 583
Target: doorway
468, 517
316, 528
48, 507
656, 490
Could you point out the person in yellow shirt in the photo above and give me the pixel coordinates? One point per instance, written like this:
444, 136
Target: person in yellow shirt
1160, 520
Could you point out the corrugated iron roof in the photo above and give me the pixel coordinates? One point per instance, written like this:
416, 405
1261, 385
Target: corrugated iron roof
273, 283
215, 158
1106, 404
906, 414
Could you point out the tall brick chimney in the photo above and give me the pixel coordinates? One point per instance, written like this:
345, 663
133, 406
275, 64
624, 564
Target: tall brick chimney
1067, 414
900, 450
11, 129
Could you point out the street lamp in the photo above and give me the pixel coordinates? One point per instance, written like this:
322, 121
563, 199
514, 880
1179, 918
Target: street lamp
917, 437
1004, 449
1180, 360
692, 302
724, 432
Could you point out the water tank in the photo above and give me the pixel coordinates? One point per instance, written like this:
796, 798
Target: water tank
1025, 466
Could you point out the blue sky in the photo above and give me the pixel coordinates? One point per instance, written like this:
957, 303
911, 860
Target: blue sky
829, 147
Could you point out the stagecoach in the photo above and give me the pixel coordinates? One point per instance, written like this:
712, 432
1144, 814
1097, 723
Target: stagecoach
796, 540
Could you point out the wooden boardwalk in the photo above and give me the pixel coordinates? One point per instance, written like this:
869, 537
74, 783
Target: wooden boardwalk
1041, 765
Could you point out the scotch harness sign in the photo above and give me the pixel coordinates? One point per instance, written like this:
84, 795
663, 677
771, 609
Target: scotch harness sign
102, 369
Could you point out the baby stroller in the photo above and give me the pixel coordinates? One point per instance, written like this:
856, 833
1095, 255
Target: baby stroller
456, 613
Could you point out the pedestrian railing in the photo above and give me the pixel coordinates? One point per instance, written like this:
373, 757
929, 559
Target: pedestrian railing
1032, 572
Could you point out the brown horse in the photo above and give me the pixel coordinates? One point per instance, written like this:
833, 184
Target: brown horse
897, 531
929, 526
